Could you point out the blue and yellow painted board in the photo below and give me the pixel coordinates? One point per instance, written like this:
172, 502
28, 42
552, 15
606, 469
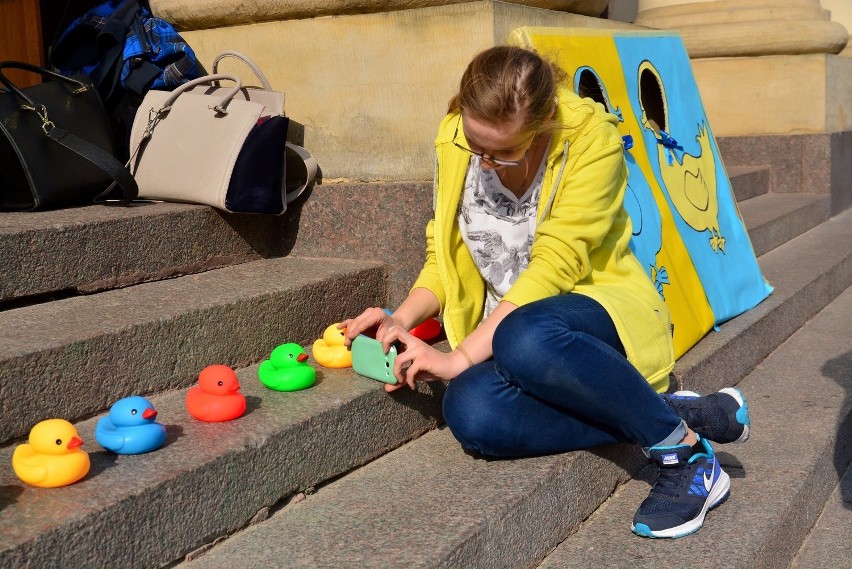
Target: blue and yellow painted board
687, 232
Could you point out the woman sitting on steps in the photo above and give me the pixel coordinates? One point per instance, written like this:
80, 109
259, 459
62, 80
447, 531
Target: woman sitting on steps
561, 342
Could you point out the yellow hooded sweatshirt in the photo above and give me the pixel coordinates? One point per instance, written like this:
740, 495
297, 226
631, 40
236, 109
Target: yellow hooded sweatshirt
580, 244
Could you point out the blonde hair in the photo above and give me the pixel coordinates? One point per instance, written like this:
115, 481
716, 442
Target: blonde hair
505, 82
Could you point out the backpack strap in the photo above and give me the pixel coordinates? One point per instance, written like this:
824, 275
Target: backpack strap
143, 73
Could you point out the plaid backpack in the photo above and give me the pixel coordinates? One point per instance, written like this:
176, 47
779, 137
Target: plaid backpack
126, 51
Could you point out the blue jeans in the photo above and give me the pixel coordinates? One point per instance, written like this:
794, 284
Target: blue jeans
559, 381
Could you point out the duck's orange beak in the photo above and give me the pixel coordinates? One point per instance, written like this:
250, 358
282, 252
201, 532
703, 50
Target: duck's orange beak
149, 413
302, 357
75, 442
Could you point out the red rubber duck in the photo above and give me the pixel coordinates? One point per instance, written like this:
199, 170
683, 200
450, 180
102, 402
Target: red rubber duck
216, 397
427, 330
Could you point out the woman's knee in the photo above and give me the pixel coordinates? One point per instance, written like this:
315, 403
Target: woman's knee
468, 412
527, 337
518, 332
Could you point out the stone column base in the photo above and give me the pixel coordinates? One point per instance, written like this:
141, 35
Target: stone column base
370, 89
779, 94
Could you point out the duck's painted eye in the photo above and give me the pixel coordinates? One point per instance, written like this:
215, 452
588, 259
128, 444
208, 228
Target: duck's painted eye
220, 383
133, 411
58, 442
291, 356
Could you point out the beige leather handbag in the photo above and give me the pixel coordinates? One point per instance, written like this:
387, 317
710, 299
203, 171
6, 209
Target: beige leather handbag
301, 166
214, 149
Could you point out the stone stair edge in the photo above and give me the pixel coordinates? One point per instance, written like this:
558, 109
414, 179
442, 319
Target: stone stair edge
265, 456
159, 335
749, 181
826, 542
780, 483
426, 480
774, 219
93, 248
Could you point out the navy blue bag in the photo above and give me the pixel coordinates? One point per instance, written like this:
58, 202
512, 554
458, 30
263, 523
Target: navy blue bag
126, 51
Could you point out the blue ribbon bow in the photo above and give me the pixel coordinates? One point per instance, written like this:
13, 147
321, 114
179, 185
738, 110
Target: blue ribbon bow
669, 144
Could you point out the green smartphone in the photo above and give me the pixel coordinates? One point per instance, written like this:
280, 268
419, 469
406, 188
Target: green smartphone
370, 360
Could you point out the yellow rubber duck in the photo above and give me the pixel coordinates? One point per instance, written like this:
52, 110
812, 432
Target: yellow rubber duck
329, 351
53, 457
287, 369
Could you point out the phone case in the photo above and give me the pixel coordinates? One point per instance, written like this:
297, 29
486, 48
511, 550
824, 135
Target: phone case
370, 360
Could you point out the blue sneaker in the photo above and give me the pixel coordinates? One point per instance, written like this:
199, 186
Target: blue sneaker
721, 417
691, 482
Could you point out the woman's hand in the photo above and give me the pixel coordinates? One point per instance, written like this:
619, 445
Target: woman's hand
371, 319
417, 361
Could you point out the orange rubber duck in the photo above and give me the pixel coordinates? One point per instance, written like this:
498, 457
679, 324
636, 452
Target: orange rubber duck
216, 398
52, 457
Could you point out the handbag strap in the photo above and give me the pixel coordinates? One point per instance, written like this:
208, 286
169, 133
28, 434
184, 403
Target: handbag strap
104, 161
245, 59
220, 107
100, 158
156, 115
81, 87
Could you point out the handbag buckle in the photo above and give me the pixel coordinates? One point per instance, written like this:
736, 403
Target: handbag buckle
46, 124
153, 119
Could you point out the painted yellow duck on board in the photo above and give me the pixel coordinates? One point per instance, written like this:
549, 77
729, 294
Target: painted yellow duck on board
690, 180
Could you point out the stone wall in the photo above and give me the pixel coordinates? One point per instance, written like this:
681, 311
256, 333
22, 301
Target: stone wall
205, 14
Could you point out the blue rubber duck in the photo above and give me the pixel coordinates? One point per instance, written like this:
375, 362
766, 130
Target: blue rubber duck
287, 369
130, 427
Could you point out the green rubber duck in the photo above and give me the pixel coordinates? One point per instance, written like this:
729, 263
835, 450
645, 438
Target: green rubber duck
287, 369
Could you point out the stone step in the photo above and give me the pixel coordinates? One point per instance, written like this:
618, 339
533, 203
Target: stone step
209, 479
774, 219
807, 273
428, 504
828, 543
88, 249
386, 221
73, 358
64, 253
120, 335
749, 181
801, 445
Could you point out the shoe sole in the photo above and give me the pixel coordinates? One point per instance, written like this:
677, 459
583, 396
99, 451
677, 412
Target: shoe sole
742, 413
720, 492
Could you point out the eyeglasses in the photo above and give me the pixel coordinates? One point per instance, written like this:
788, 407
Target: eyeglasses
487, 157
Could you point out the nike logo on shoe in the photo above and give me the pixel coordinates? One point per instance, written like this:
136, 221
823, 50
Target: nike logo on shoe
708, 481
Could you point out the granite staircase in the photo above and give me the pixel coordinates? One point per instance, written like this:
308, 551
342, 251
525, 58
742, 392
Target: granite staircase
98, 303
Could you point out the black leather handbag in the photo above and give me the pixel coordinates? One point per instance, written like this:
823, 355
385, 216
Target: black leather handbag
56, 147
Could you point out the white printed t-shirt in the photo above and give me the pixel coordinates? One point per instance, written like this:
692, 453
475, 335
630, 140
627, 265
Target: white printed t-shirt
497, 227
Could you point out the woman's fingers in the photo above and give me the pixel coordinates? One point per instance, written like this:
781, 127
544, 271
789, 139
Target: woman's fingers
411, 375
370, 318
